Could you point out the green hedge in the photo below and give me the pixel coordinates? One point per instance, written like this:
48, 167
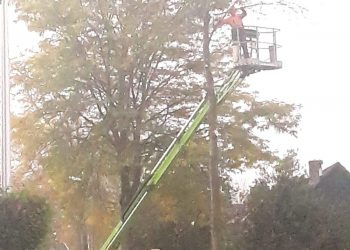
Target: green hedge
24, 221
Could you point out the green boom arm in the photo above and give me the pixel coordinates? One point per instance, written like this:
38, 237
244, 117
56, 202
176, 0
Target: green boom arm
233, 81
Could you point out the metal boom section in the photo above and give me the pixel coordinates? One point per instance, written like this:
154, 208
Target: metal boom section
233, 81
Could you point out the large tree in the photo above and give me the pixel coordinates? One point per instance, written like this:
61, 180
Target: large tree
98, 95
105, 93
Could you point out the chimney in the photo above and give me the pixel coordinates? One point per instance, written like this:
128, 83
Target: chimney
315, 171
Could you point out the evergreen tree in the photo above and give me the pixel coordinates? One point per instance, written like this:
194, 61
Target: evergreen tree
286, 212
24, 221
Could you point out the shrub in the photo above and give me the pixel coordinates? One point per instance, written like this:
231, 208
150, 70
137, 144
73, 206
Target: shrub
24, 221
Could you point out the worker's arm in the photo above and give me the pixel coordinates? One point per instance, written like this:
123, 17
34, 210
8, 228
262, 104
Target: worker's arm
244, 13
227, 20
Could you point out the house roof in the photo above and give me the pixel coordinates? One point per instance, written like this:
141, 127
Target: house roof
335, 184
335, 167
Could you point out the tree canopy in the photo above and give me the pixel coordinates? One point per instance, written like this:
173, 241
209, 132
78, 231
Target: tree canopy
292, 214
109, 87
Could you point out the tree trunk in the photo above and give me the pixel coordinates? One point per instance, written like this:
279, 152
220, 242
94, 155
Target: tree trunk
125, 197
129, 175
130, 178
84, 238
214, 178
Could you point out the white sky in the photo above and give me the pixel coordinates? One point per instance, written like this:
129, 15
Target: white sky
315, 58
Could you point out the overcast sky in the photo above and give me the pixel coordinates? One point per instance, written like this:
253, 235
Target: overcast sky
315, 57
315, 74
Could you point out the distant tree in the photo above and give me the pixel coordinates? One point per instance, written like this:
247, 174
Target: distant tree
285, 212
24, 221
283, 217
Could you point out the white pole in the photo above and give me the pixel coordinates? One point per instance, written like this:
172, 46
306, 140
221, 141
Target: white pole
5, 99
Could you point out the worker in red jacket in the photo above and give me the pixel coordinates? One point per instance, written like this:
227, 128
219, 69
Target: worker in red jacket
236, 23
